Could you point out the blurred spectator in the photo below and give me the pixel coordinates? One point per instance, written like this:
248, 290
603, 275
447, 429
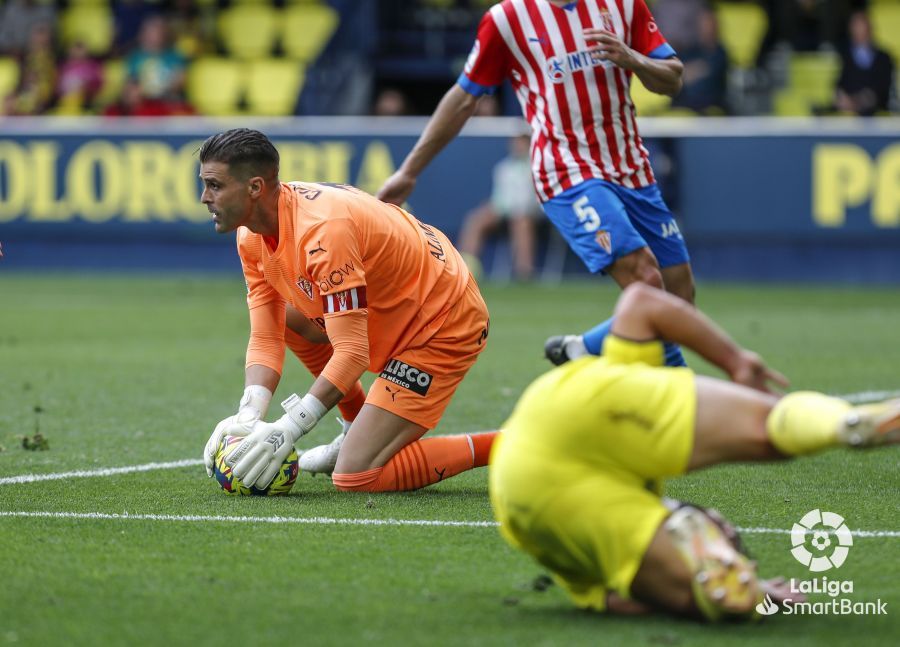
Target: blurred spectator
17, 19
864, 86
705, 69
806, 25
129, 17
390, 102
37, 83
79, 80
155, 65
678, 20
193, 27
513, 200
133, 103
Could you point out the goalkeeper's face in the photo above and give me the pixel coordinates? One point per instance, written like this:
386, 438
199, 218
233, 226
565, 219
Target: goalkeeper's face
226, 197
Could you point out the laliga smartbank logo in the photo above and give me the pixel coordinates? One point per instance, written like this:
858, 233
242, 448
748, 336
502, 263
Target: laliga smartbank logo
831, 539
821, 541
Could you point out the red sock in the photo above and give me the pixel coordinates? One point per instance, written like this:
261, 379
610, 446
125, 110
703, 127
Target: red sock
314, 358
421, 463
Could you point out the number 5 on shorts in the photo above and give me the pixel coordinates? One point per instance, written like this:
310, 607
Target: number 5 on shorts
587, 215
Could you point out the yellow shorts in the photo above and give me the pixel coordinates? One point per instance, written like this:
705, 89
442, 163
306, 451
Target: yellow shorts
575, 478
417, 384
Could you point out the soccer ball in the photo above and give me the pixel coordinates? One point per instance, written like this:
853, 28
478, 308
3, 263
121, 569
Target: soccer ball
281, 484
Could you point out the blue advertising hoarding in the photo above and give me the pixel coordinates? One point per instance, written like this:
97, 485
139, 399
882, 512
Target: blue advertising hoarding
756, 198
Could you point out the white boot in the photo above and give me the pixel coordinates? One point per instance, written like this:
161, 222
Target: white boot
322, 459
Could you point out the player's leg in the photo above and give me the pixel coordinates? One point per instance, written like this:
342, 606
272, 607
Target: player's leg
655, 223
736, 423
694, 567
383, 450
521, 233
478, 224
594, 220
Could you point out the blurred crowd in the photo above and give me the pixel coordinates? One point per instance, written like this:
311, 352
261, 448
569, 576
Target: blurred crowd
741, 57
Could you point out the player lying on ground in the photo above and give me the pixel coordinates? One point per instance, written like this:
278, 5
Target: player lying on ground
575, 476
374, 288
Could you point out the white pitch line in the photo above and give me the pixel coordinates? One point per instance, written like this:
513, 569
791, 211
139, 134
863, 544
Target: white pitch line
319, 521
105, 471
869, 396
334, 521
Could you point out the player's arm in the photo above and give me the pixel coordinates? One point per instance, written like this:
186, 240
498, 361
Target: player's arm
644, 313
660, 75
265, 353
449, 117
485, 69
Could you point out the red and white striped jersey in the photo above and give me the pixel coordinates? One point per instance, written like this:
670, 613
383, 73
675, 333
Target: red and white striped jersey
579, 108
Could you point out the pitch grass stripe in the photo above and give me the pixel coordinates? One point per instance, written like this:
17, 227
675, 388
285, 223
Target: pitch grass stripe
333, 521
855, 398
105, 471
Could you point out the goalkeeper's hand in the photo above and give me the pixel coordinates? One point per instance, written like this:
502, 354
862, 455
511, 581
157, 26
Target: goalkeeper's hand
258, 458
252, 407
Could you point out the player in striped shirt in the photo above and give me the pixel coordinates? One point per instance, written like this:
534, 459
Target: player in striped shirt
348, 283
571, 65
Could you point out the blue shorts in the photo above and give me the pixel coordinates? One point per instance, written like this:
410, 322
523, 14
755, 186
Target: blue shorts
603, 221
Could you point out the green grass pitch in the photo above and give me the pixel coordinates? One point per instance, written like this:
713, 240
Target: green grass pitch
133, 370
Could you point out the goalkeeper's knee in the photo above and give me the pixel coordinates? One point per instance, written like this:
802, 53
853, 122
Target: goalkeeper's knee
724, 581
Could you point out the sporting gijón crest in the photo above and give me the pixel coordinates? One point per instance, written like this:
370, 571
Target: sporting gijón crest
306, 287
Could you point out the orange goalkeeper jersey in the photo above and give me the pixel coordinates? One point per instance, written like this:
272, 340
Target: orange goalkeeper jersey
340, 249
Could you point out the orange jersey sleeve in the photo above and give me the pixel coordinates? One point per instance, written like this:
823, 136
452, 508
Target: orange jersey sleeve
267, 307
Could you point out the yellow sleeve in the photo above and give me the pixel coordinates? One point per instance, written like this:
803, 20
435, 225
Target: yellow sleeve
618, 350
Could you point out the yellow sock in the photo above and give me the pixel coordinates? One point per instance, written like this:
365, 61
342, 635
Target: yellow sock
806, 422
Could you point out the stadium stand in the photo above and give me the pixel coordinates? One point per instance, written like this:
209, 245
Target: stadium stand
215, 85
307, 28
742, 27
249, 31
9, 75
273, 86
90, 23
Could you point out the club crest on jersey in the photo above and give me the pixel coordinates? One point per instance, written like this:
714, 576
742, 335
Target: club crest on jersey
306, 287
406, 376
352, 299
606, 21
604, 240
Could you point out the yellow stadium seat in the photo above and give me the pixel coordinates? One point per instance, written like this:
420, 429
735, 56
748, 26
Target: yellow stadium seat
789, 103
307, 28
215, 86
742, 27
645, 102
91, 24
9, 75
885, 19
813, 76
114, 73
249, 31
273, 86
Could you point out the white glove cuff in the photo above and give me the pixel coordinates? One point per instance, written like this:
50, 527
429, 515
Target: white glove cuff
256, 397
305, 411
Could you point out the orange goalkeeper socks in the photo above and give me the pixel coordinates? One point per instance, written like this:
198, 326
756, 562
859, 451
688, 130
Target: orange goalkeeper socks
421, 463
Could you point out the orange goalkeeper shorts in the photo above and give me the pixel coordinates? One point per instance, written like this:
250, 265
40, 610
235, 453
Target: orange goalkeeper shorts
417, 384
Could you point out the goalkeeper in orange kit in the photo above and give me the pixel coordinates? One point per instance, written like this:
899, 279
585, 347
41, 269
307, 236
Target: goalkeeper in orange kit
349, 283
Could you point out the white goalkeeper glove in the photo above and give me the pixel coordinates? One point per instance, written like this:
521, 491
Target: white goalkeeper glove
252, 407
258, 458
